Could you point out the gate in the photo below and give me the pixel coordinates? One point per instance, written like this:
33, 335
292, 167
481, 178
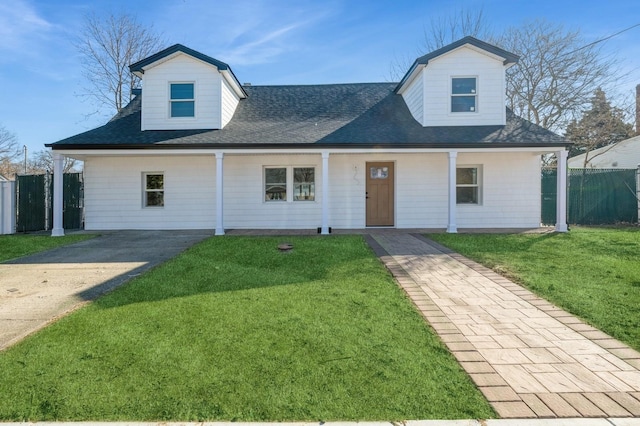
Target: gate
34, 202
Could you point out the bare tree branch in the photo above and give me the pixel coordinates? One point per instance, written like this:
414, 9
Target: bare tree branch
108, 46
8, 144
42, 162
556, 75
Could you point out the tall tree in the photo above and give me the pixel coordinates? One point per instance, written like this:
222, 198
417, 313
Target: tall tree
557, 73
108, 45
601, 125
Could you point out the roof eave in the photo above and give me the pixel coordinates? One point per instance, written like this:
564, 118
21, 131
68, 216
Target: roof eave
345, 146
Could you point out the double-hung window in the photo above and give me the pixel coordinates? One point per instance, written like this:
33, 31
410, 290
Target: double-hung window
153, 189
468, 185
275, 184
289, 184
304, 184
464, 96
182, 100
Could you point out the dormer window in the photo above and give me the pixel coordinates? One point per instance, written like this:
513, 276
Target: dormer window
182, 101
463, 94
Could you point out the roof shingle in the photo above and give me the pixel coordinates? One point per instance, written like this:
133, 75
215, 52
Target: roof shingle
340, 115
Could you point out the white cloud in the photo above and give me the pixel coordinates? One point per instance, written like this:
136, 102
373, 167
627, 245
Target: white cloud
250, 32
20, 24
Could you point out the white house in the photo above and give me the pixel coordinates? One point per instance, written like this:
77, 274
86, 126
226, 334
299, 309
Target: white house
196, 149
622, 155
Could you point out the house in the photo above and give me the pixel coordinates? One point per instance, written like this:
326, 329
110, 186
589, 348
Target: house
622, 155
196, 149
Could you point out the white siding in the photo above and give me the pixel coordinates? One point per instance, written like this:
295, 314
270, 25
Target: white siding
623, 155
208, 95
510, 192
420, 190
244, 205
414, 98
113, 190
464, 62
229, 102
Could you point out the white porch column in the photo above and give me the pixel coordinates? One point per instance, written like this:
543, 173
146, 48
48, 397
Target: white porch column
219, 193
451, 225
324, 230
58, 166
561, 201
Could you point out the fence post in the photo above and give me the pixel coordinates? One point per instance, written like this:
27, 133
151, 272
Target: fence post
7, 207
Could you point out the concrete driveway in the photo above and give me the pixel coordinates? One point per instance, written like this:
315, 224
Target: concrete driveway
38, 289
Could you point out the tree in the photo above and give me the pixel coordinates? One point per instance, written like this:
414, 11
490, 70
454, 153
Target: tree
107, 47
8, 144
9, 151
444, 30
557, 73
601, 125
42, 162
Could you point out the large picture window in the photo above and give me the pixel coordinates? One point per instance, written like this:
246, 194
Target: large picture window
468, 185
282, 184
463, 94
153, 189
182, 100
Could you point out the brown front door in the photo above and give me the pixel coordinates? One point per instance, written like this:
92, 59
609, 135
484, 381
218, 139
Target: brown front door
380, 197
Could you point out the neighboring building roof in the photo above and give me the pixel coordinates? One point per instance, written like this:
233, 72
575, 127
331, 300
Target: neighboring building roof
340, 115
509, 58
138, 67
622, 155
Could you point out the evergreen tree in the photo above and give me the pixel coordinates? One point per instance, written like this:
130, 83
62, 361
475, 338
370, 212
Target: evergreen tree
601, 125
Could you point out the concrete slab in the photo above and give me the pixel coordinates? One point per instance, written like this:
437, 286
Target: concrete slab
38, 289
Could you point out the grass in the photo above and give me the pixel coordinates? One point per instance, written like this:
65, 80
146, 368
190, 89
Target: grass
593, 273
234, 330
18, 245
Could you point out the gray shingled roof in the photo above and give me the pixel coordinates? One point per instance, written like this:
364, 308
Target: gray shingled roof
336, 115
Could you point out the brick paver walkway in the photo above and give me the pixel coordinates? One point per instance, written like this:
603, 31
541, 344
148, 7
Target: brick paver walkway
527, 356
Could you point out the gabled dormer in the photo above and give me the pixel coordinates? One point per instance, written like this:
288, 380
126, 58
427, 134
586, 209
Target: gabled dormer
184, 89
461, 84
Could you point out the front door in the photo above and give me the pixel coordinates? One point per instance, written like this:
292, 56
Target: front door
380, 198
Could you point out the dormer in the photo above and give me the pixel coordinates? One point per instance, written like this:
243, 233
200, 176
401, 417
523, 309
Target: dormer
461, 84
183, 90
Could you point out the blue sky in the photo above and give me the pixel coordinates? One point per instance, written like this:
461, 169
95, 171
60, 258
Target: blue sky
264, 41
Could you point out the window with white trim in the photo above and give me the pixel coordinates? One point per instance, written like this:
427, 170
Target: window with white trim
182, 100
153, 185
304, 184
285, 184
464, 94
468, 185
275, 184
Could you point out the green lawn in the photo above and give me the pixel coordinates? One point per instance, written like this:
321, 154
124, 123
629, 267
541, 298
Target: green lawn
17, 245
593, 273
235, 330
